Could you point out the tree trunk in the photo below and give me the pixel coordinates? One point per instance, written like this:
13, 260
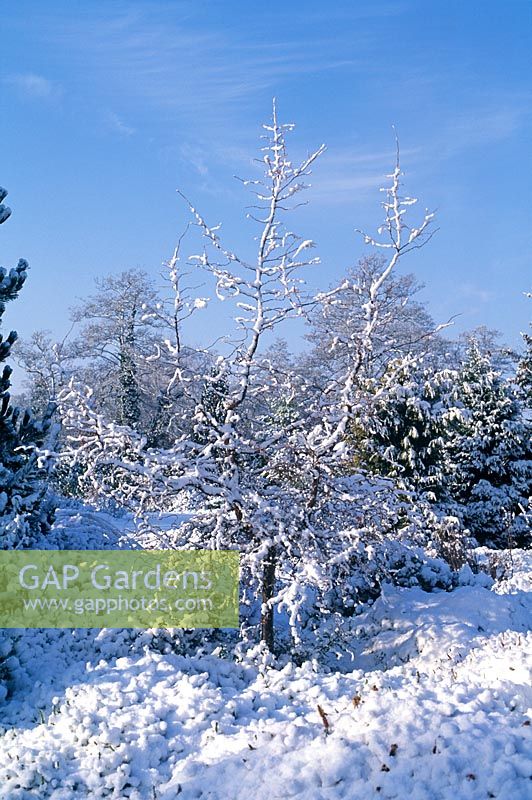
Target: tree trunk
268, 590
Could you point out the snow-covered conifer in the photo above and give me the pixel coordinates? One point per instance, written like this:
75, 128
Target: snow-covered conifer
406, 425
491, 453
524, 370
24, 509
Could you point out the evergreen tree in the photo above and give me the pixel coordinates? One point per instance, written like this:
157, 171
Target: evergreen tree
524, 370
24, 509
215, 392
211, 409
405, 426
492, 454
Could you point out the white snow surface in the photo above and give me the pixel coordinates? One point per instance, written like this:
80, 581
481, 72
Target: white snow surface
435, 705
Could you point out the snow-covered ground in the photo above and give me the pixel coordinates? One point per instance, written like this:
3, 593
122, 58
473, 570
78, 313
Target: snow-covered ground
435, 705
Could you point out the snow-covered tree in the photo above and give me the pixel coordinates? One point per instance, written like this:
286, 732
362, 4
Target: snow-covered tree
403, 327
340, 403
491, 452
247, 509
488, 342
177, 367
404, 429
24, 509
48, 366
274, 515
99, 458
114, 340
524, 370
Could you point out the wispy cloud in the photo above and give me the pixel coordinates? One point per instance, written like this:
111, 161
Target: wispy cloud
172, 62
348, 172
485, 125
34, 86
360, 11
336, 188
480, 127
116, 124
196, 157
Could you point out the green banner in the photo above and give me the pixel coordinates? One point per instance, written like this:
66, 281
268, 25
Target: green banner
119, 588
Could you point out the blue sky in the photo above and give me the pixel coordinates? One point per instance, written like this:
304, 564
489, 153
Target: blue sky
108, 107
